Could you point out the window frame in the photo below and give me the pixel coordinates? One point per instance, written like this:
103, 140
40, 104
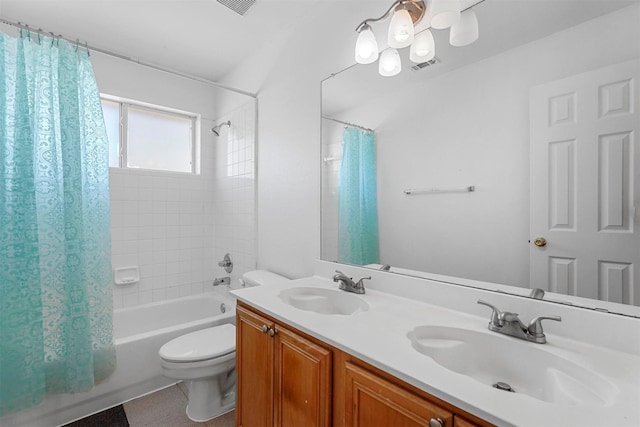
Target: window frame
123, 110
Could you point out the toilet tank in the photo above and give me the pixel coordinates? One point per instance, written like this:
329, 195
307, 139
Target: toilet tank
261, 278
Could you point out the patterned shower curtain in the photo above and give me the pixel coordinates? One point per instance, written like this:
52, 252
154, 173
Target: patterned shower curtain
55, 256
358, 202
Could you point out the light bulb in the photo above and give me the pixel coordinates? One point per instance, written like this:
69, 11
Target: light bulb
400, 29
366, 46
389, 64
445, 13
423, 48
466, 30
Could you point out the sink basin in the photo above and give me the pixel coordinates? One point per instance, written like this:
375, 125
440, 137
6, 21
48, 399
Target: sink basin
527, 368
323, 301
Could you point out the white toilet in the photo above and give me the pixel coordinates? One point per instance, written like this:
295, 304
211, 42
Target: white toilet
205, 360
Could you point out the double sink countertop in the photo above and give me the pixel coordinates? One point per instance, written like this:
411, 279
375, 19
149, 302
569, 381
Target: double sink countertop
567, 381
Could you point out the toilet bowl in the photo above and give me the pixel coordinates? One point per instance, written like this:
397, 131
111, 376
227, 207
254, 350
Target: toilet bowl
205, 360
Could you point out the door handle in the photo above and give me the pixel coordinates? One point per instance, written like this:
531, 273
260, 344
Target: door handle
540, 242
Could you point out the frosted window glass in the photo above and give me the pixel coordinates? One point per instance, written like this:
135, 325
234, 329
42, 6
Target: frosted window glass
157, 140
111, 113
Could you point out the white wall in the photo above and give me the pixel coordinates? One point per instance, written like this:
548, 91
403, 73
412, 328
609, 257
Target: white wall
289, 132
176, 227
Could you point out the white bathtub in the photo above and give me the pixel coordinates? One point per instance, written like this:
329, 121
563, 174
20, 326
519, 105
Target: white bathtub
139, 332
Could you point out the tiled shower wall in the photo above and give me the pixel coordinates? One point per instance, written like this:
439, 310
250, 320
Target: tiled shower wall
176, 227
234, 193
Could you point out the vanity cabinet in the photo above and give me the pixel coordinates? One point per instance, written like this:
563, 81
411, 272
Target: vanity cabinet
371, 400
286, 378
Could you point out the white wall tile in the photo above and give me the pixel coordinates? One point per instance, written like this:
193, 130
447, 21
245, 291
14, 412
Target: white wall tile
159, 294
130, 299
177, 227
145, 297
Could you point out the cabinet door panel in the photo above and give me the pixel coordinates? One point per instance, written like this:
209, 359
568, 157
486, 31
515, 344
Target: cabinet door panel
461, 422
254, 363
303, 381
372, 401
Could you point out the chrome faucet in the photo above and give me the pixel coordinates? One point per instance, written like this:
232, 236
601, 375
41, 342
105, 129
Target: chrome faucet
510, 324
346, 283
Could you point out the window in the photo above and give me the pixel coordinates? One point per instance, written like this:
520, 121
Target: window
142, 136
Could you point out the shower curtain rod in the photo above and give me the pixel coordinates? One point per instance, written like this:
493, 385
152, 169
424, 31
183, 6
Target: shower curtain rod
348, 124
128, 58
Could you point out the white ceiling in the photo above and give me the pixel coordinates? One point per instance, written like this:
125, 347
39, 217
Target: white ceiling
206, 39
199, 37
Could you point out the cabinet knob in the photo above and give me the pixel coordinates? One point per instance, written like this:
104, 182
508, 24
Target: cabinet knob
265, 329
436, 422
272, 332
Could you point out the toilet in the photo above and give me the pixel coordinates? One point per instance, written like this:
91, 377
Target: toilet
205, 360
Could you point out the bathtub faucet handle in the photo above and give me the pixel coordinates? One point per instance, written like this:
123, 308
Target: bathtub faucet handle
226, 263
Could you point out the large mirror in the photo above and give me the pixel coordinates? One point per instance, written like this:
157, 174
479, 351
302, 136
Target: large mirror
509, 164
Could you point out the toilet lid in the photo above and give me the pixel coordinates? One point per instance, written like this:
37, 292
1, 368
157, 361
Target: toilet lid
201, 345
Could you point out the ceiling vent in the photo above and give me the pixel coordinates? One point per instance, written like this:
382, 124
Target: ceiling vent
422, 65
238, 6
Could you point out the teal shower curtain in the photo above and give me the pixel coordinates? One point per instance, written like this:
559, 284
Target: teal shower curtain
358, 202
55, 256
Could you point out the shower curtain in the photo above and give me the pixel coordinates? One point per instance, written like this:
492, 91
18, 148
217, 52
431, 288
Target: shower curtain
358, 206
55, 256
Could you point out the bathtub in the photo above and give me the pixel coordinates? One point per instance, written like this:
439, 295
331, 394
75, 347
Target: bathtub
138, 332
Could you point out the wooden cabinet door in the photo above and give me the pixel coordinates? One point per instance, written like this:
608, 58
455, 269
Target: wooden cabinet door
461, 422
254, 364
303, 372
371, 401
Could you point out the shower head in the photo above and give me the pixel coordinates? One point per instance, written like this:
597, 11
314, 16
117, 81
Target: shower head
216, 129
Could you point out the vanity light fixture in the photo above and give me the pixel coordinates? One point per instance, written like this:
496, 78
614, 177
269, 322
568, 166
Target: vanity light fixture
405, 17
389, 64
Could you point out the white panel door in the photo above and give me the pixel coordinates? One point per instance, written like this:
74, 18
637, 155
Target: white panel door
585, 184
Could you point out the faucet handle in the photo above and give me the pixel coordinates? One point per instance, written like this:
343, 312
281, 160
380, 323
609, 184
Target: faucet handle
535, 326
495, 314
360, 284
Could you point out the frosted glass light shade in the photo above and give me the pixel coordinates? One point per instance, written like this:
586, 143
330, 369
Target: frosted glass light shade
400, 29
466, 30
389, 64
444, 13
366, 46
423, 48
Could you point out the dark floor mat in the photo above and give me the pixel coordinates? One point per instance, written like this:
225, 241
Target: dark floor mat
114, 417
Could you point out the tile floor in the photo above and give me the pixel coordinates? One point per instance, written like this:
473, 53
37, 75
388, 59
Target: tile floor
167, 408
164, 408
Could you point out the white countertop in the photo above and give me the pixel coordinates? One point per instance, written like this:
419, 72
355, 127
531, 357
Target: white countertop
379, 336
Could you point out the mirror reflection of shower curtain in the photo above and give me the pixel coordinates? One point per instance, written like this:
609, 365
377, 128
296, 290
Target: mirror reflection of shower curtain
358, 204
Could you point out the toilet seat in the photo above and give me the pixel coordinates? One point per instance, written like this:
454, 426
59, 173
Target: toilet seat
205, 344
